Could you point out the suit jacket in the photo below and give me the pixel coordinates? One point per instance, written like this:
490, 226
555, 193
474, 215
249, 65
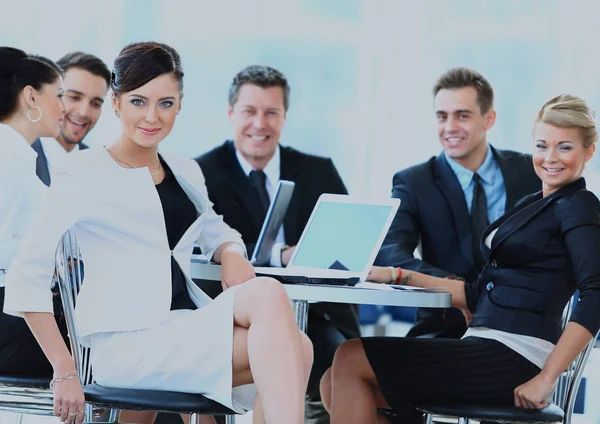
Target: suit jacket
41, 168
434, 214
233, 196
123, 240
544, 249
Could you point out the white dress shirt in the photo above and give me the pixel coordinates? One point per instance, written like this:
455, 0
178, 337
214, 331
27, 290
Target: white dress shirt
119, 222
20, 190
54, 152
273, 172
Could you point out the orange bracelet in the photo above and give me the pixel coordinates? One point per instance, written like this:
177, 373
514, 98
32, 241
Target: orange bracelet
399, 277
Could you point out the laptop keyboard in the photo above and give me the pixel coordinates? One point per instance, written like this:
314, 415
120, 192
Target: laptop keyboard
299, 279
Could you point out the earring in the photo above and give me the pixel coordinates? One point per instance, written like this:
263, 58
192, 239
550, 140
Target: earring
117, 114
38, 118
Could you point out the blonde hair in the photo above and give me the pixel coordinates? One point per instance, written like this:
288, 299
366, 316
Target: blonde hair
568, 111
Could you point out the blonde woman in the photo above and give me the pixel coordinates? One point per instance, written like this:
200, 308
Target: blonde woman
537, 255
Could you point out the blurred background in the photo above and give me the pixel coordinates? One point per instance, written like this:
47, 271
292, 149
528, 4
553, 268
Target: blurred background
361, 71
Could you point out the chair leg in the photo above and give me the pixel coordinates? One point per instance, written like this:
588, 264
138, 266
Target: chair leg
19, 419
194, 418
428, 419
230, 419
462, 420
113, 416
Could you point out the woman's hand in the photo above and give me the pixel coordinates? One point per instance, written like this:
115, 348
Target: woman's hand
531, 394
69, 401
235, 269
380, 274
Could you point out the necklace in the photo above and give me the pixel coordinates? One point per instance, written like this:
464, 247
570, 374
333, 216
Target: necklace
133, 167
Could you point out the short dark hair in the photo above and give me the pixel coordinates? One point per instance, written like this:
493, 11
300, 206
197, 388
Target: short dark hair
140, 62
87, 62
457, 78
18, 70
262, 76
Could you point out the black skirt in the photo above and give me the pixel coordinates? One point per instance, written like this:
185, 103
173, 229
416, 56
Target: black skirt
471, 371
20, 352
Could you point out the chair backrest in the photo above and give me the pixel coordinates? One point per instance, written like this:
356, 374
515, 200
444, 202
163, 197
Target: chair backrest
568, 384
69, 274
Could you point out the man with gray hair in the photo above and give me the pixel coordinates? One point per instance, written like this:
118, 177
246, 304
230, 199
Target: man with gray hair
241, 178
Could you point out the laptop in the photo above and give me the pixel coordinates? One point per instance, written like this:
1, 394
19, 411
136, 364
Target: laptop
272, 223
339, 243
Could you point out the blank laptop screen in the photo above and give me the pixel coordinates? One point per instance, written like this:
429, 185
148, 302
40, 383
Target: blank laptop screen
342, 232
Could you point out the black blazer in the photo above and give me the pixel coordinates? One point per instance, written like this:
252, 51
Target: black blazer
41, 165
434, 213
543, 251
233, 196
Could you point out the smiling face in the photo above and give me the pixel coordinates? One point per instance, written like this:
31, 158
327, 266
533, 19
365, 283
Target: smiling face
461, 126
257, 117
84, 96
559, 155
148, 113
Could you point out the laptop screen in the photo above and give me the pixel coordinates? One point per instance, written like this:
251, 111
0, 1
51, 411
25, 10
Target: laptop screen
342, 236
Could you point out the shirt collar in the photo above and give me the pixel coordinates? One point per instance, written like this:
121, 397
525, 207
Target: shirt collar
15, 143
272, 170
487, 171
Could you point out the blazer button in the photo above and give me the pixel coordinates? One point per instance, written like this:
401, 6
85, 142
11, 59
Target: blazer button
489, 286
494, 263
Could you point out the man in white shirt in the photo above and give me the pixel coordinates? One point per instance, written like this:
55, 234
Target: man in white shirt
86, 80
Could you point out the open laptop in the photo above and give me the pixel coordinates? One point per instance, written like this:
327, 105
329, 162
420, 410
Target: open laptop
272, 223
339, 243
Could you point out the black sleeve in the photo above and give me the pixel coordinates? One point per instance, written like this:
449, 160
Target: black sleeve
581, 230
336, 185
404, 234
472, 294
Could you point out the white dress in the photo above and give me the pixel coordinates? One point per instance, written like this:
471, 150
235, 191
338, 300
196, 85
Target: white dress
123, 309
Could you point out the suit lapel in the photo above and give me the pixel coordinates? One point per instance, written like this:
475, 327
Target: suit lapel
519, 217
447, 181
289, 170
242, 187
41, 163
511, 178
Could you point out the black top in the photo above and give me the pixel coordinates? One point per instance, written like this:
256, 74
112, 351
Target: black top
545, 249
180, 213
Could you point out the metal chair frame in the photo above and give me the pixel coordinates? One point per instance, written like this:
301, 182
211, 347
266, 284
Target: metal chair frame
567, 386
70, 279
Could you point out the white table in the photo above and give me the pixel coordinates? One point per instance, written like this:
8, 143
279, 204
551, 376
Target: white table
301, 294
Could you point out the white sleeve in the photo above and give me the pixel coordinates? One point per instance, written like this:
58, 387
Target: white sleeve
28, 279
11, 201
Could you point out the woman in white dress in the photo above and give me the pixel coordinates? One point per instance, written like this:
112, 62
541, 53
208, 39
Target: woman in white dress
31, 106
137, 216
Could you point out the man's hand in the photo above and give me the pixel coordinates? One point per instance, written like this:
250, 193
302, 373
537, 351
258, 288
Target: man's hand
286, 255
235, 269
380, 274
531, 394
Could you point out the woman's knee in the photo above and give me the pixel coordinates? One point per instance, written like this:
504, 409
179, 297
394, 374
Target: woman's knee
325, 389
268, 293
348, 355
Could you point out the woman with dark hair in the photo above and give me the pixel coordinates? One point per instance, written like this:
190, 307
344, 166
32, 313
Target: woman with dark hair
138, 215
31, 106
514, 351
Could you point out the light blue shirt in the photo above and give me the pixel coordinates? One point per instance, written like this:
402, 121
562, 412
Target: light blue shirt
491, 179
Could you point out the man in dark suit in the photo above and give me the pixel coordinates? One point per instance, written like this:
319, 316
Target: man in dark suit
449, 200
86, 79
241, 177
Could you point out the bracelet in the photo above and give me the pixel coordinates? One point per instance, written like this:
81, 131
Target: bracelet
399, 277
394, 274
66, 377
